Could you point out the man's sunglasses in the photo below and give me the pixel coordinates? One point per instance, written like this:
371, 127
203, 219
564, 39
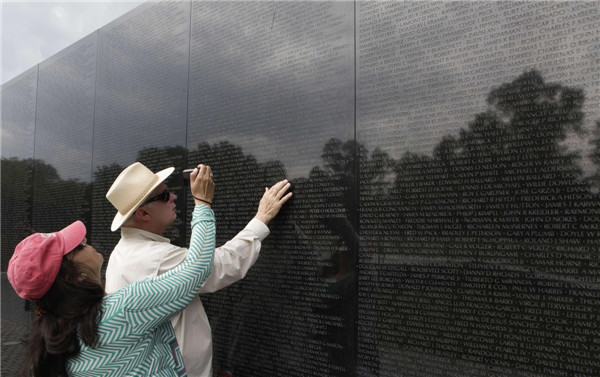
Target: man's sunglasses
163, 197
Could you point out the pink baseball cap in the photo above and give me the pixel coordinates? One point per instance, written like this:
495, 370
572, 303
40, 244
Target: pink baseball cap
36, 261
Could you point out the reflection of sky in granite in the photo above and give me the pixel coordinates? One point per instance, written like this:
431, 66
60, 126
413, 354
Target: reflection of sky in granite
65, 110
141, 83
263, 80
265, 86
424, 69
18, 115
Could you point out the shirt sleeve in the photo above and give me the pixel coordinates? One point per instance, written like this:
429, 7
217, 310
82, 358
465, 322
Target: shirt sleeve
151, 301
234, 259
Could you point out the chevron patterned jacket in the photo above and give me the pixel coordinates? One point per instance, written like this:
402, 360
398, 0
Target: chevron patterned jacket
136, 337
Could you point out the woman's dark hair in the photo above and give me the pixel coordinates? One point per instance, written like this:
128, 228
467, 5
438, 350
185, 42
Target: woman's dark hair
69, 311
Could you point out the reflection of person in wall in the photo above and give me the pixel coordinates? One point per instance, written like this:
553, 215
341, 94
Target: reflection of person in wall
79, 330
341, 284
142, 252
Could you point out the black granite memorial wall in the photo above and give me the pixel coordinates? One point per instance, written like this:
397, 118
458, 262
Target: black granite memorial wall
63, 137
18, 127
445, 158
141, 90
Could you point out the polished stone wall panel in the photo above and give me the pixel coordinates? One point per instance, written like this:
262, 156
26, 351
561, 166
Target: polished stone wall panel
63, 142
475, 202
140, 107
266, 99
18, 132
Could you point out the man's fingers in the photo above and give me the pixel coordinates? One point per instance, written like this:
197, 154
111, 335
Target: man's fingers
197, 171
286, 198
202, 171
276, 188
200, 168
282, 191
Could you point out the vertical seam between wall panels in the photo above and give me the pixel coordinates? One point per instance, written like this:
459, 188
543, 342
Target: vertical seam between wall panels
94, 130
187, 97
356, 149
187, 109
356, 210
37, 89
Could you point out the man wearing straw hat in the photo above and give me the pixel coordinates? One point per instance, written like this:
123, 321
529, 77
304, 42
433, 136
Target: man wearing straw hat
146, 209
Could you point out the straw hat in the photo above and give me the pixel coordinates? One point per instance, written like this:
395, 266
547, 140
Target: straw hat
131, 188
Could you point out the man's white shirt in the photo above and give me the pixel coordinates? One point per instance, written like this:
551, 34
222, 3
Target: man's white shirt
141, 254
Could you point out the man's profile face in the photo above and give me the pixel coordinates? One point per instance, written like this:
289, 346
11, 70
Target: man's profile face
162, 213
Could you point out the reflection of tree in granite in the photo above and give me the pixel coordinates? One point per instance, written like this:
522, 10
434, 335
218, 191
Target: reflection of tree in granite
495, 231
53, 202
56, 201
502, 200
341, 253
16, 181
240, 179
595, 158
340, 168
102, 211
156, 158
244, 317
504, 180
276, 313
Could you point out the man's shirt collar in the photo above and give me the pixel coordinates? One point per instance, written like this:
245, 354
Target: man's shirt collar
127, 232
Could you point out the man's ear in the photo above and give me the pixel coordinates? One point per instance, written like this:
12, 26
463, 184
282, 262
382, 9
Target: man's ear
141, 214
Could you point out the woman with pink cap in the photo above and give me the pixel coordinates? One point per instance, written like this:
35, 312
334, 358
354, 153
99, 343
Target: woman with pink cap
81, 331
